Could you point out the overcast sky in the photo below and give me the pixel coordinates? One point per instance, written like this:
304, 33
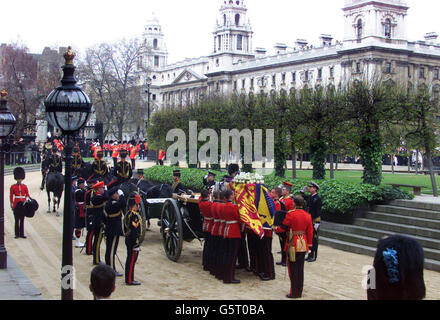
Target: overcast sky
187, 24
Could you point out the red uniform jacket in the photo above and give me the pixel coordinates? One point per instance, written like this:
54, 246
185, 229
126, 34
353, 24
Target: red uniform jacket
133, 153
115, 151
216, 219
19, 193
288, 202
205, 209
162, 154
232, 221
300, 222
221, 217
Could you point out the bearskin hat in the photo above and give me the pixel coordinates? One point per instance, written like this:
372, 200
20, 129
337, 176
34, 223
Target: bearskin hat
233, 168
30, 207
19, 173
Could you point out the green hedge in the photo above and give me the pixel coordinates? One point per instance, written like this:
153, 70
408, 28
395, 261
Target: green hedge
337, 197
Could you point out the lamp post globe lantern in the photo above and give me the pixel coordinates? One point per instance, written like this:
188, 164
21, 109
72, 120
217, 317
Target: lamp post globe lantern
68, 108
7, 125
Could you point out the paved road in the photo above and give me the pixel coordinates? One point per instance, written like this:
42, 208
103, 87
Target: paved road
336, 274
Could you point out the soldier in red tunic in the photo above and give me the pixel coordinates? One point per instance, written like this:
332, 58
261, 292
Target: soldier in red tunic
215, 239
19, 193
298, 224
205, 209
232, 237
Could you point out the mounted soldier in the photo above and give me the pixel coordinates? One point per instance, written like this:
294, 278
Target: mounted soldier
123, 170
99, 167
55, 163
78, 161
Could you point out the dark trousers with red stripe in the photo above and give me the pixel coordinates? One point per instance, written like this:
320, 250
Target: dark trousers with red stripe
231, 247
296, 274
267, 260
206, 257
132, 256
89, 242
111, 247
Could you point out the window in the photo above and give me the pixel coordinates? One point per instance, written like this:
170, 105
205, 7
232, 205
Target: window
332, 72
319, 73
306, 76
235, 85
422, 73
409, 71
156, 61
436, 94
224, 19
293, 76
359, 29
274, 80
388, 67
240, 42
436, 74
358, 67
388, 28
252, 83
154, 97
219, 42
243, 83
237, 19
217, 62
283, 78
155, 42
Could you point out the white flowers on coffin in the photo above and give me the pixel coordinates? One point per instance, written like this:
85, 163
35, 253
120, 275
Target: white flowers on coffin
249, 178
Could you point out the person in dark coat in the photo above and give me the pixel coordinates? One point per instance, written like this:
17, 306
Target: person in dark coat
314, 205
133, 230
398, 270
98, 201
114, 211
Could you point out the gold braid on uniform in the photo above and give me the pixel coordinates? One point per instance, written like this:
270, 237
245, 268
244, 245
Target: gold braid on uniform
125, 168
99, 171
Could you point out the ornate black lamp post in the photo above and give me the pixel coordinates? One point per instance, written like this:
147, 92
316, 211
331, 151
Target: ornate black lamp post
68, 109
7, 125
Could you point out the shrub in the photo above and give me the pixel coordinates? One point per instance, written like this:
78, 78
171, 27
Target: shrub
337, 197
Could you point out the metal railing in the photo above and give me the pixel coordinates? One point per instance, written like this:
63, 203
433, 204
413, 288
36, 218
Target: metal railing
22, 158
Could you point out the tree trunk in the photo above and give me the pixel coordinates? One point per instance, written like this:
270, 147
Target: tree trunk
293, 162
301, 162
337, 162
431, 172
392, 164
409, 163
332, 171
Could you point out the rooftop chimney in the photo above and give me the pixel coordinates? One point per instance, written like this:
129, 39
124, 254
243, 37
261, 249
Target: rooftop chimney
326, 40
280, 48
260, 52
431, 37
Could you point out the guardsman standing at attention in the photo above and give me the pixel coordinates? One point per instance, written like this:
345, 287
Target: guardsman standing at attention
133, 154
123, 170
55, 163
280, 215
98, 202
205, 209
221, 256
80, 212
215, 240
99, 167
114, 211
177, 185
133, 230
314, 205
298, 225
161, 156
115, 153
19, 193
232, 237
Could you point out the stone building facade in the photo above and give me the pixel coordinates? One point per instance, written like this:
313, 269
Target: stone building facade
375, 44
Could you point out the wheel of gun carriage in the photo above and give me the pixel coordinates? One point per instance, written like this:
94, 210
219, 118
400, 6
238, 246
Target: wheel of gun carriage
172, 229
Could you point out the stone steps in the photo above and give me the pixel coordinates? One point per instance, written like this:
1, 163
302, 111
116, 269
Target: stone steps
410, 212
416, 219
403, 220
366, 250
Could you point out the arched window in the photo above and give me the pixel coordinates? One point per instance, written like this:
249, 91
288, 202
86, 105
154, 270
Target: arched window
388, 28
224, 19
155, 43
359, 29
237, 19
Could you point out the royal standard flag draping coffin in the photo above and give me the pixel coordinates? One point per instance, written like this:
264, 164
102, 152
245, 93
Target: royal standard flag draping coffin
265, 206
245, 197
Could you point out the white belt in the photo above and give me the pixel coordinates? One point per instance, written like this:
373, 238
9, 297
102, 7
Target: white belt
80, 203
231, 222
20, 197
216, 220
208, 219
